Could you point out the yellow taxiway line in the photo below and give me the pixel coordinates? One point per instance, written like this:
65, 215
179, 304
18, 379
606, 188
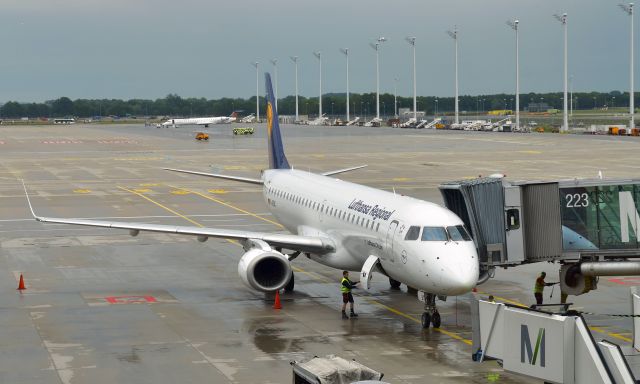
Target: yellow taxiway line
228, 205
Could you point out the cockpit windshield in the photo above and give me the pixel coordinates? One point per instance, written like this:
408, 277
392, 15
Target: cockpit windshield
413, 233
434, 234
458, 233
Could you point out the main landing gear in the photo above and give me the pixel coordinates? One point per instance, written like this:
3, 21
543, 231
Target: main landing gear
290, 285
395, 284
430, 314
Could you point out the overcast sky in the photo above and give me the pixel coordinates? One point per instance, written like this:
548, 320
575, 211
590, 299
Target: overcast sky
203, 48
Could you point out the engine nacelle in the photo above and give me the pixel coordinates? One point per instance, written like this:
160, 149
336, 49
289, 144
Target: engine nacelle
264, 271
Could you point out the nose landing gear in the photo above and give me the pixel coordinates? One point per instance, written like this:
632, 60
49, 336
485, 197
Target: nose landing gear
430, 314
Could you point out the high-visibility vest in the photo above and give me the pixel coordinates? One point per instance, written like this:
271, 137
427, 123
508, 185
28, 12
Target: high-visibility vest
344, 289
539, 287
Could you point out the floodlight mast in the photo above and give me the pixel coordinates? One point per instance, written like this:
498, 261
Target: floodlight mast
454, 35
275, 69
295, 61
395, 98
412, 42
319, 56
256, 65
346, 53
514, 25
376, 47
565, 115
632, 121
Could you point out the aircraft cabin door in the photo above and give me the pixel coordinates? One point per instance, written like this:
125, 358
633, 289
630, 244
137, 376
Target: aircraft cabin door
391, 233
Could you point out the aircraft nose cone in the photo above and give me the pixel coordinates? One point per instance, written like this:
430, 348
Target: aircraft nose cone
463, 277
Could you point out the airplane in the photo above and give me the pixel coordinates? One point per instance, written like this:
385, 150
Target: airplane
341, 225
204, 121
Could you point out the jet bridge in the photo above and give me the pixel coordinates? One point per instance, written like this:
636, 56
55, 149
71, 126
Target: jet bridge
590, 226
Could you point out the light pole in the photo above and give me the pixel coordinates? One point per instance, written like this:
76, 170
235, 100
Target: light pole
295, 61
571, 95
376, 47
412, 41
346, 53
275, 72
565, 117
454, 36
319, 56
436, 106
632, 121
395, 97
514, 25
257, 65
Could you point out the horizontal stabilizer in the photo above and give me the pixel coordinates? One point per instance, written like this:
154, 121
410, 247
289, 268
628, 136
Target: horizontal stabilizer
227, 177
343, 170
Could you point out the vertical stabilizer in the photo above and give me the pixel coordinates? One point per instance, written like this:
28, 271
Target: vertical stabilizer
277, 158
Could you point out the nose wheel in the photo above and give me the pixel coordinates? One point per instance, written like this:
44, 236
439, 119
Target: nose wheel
430, 314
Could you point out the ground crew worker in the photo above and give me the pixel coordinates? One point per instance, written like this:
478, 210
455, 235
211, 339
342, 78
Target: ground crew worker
539, 287
346, 286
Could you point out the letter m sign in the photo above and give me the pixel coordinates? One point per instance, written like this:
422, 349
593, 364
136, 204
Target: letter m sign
525, 346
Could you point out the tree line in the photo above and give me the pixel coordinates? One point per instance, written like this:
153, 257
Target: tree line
333, 104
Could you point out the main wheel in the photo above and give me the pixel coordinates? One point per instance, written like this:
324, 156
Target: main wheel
426, 319
395, 284
290, 285
435, 320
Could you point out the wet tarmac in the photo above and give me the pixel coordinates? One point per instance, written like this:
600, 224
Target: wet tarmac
104, 307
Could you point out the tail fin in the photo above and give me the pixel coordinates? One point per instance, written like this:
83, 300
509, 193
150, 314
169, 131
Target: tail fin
277, 158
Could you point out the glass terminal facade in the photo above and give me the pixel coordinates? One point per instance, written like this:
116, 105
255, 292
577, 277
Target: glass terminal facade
600, 217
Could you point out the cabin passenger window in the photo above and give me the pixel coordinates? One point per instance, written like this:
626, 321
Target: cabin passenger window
434, 234
412, 233
458, 233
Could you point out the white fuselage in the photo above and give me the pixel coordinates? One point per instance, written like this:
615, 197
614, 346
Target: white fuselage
364, 221
199, 121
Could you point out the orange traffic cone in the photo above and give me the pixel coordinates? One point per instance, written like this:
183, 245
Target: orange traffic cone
277, 304
21, 284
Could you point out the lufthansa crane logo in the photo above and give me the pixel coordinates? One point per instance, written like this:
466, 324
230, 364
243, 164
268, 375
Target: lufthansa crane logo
269, 119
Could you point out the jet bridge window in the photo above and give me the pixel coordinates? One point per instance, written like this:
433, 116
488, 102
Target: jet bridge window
434, 234
458, 233
513, 219
412, 233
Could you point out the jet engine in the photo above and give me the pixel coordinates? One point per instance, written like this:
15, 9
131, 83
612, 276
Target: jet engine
264, 270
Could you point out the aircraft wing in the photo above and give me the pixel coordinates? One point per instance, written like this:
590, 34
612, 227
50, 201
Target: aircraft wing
312, 244
318, 245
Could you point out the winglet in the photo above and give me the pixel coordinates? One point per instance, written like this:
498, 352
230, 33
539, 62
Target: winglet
29, 200
335, 172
